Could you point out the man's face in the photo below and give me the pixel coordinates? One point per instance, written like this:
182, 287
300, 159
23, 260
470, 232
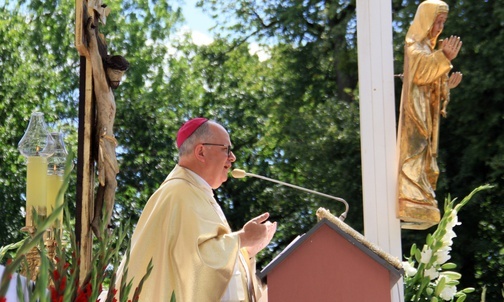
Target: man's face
114, 77
218, 160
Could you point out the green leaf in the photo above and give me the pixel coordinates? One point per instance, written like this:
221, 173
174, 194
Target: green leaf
461, 298
469, 197
429, 240
429, 291
440, 286
418, 256
452, 275
453, 282
413, 249
448, 265
9, 247
468, 290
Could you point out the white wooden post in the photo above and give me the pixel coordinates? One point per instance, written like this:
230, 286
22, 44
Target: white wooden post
378, 128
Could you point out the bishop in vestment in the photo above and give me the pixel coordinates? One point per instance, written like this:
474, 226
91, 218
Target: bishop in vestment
194, 252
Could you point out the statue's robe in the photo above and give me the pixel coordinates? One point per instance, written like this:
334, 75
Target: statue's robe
424, 88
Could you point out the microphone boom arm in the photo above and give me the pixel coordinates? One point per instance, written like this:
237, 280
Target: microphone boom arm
237, 173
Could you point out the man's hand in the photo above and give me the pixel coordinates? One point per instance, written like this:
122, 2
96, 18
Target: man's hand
257, 234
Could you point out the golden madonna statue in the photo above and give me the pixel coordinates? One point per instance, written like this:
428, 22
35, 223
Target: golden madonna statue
425, 94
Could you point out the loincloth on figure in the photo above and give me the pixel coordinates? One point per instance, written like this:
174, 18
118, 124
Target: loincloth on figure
107, 161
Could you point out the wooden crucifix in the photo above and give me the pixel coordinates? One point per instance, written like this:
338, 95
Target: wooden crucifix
100, 73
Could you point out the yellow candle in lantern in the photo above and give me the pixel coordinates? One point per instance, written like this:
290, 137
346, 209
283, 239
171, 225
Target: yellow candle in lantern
36, 175
54, 183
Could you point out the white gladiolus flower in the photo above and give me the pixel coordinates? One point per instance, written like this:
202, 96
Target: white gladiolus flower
447, 238
447, 243
452, 220
426, 255
448, 292
433, 279
409, 269
443, 255
432, 273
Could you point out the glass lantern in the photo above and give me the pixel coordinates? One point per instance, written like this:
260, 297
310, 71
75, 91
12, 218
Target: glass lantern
36, 145
55, 176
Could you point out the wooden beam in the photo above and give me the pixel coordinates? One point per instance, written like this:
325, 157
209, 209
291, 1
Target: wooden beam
85, 161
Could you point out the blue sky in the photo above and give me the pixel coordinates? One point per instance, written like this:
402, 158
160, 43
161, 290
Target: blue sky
199, 22
196, 19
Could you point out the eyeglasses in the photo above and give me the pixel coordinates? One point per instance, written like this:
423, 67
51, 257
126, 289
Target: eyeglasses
220, 145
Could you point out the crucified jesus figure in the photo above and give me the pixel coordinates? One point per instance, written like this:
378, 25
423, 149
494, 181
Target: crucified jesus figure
107, 74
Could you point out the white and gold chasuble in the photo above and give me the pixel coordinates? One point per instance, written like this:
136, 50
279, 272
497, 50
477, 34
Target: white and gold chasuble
194, 252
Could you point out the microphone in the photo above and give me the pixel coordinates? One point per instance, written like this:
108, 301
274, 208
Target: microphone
238, 173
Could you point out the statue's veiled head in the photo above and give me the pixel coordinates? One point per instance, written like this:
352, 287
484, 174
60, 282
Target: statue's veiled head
425, 16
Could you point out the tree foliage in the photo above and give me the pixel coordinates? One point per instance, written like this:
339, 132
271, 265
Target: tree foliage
293, 117
37, 75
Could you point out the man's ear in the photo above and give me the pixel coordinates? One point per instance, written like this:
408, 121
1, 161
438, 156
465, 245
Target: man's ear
199, 153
